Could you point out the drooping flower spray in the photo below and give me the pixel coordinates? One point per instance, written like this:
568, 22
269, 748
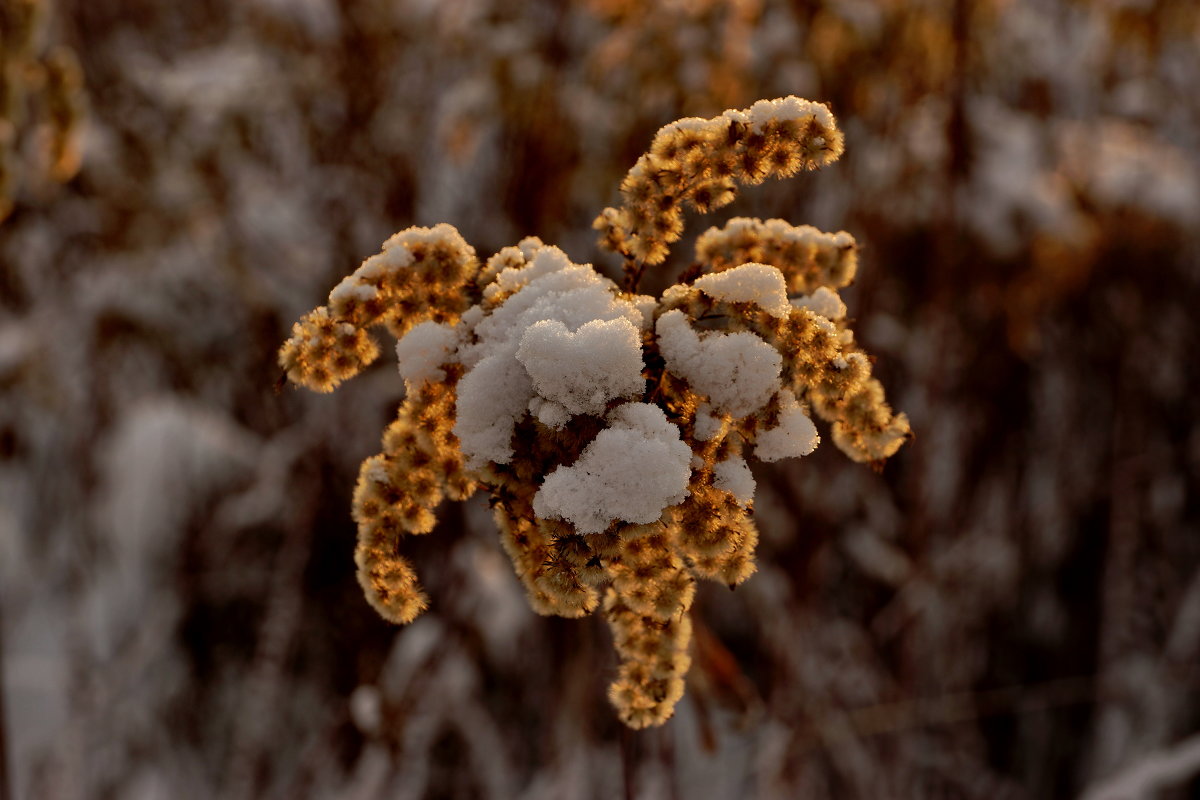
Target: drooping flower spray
610, 428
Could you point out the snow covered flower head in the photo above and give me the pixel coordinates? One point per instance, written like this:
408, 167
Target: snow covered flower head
610, 428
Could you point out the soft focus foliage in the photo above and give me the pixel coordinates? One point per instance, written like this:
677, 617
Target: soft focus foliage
1010, 609
41, 104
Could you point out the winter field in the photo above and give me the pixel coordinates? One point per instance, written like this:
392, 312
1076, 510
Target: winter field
1008, 607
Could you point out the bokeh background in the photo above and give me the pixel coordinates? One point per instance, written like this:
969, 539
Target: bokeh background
1010, 609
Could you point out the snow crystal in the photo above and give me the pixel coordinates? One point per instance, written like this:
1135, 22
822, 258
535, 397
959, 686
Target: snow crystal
733, 476
631, 471
645, 418
805, 237
794, 436
422, 351
760, 284
469, 319
582, 371
739, 372
380, 264
441, 233
736, 116
675, 295
823, 301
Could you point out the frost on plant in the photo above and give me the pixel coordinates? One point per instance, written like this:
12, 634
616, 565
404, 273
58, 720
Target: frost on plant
611, 429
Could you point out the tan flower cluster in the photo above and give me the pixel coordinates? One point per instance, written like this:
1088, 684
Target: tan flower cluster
807, 257
418, 275
611, 429
397, 493
42, 103
700, 162
821, 365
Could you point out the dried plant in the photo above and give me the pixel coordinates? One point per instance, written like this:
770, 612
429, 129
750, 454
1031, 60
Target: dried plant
1027, 570
609, 427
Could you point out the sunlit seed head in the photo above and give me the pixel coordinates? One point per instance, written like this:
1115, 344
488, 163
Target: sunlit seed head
644, 564
753, 166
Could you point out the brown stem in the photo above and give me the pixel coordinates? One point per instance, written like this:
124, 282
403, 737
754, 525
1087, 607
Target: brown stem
633, 274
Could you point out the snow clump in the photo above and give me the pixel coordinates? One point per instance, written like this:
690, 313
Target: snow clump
796, 435
632, 471
733, 475
421, 352
739, 372
581, 371
824, 301
760, 284
562, 343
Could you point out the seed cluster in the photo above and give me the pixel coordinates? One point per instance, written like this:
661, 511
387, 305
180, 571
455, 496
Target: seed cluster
610, 492
398, 491
700, 162
807, 257
821, 364
418, 276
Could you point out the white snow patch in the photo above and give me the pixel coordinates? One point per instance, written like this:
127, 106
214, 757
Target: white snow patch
733, 476
739, 372
645, 304
582, 371
796, 435
544, 261
549, 413
421, 352
349, 288
492, 396
377, 267
631, 471
823, 301
500, 386
760, 284
790, 107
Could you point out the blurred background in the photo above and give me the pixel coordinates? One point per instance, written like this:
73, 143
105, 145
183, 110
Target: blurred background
1010, 609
